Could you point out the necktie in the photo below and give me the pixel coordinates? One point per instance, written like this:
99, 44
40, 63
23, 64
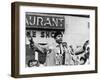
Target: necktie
60, 50
63, 55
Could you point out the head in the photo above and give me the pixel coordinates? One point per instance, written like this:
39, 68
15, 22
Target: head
87, 49
28, 34
32, 63
58, 37
86, 43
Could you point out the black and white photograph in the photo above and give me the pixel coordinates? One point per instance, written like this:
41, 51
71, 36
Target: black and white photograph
55, 40
52, 39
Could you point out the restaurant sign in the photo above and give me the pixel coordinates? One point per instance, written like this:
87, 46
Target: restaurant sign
44, 21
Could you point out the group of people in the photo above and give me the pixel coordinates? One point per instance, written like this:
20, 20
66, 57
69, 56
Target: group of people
59, 53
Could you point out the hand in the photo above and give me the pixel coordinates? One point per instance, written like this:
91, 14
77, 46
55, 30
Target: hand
31, 40
64, 44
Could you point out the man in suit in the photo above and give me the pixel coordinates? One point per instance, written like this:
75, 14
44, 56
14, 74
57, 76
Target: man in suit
58, 53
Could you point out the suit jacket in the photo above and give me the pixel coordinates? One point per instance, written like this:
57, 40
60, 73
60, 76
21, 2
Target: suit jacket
54, 57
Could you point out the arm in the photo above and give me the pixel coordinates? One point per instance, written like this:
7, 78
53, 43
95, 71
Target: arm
79, 51
35, 46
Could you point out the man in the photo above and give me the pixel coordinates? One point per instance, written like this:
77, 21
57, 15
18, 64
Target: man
83, 54
32, 51
58, 53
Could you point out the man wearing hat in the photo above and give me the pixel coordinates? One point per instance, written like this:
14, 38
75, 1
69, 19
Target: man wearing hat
58, 53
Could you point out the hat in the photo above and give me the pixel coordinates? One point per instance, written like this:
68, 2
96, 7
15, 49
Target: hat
57, 33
